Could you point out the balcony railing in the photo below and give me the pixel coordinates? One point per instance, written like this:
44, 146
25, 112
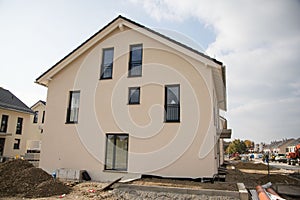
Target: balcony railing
172, 113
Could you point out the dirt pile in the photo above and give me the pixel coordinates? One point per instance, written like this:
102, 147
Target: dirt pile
256, 175
20, 178
278, 178
249, 165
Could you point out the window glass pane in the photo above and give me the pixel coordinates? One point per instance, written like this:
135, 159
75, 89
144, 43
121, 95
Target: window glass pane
108, 56
136, 69
43, 117
107, 72
172, 112
121, 152
134, 95
172, 103
135, 65
35, 117
73, 109
173, 95
75, 100
19, 125
136, 53
4, 122
109, 152
107, 63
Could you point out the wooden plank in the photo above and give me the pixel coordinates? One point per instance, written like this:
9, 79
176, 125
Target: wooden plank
108, 186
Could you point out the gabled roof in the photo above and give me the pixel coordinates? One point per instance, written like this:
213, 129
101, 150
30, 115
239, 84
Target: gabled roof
10, 102
120, 22
295, 142
37, 103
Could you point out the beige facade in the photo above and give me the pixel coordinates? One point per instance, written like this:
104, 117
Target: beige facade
36, 126
14, 143
111, 137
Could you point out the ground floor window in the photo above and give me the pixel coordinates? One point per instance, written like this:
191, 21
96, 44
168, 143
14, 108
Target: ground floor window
116, 152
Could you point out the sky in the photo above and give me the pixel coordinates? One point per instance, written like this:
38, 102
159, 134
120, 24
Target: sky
258, 42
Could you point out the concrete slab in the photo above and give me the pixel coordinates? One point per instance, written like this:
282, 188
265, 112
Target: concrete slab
243, 191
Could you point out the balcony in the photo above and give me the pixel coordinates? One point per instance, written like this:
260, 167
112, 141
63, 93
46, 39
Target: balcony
223, 132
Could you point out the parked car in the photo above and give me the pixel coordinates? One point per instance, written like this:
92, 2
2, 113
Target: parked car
281, 158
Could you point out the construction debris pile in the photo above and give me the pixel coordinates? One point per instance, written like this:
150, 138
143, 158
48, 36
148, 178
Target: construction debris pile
22, 179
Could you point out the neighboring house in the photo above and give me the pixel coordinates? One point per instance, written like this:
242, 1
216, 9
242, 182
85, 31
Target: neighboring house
36, 127
131, 101
283, 147
292, 145
15, 120
272, 147
279, 147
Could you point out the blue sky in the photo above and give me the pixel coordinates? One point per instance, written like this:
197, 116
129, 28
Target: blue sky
258, 41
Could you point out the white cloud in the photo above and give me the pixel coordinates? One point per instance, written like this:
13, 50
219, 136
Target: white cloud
259, 42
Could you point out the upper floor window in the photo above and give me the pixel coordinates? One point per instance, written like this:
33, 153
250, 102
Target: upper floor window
73, 109
36, 116
172, 103
107, 63
19, 125
135, 60
134, 95
4, 123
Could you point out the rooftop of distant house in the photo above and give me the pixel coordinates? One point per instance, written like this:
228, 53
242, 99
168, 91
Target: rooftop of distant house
10, 102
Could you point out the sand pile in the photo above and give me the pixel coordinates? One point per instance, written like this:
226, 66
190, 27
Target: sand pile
20, 178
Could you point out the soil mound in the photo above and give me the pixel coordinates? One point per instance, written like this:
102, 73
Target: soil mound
20, 178
249, 165
278, 178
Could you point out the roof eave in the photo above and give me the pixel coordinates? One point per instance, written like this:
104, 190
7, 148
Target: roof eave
219, 79
17, 110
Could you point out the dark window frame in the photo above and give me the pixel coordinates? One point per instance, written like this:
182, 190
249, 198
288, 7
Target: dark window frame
68, 120
170, 106
19, 126
114, 151
132, 63
130, 102
36, 117
104, 67
4, 123
17, 144
43, 117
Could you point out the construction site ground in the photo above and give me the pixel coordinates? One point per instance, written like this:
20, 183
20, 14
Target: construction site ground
33, 183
